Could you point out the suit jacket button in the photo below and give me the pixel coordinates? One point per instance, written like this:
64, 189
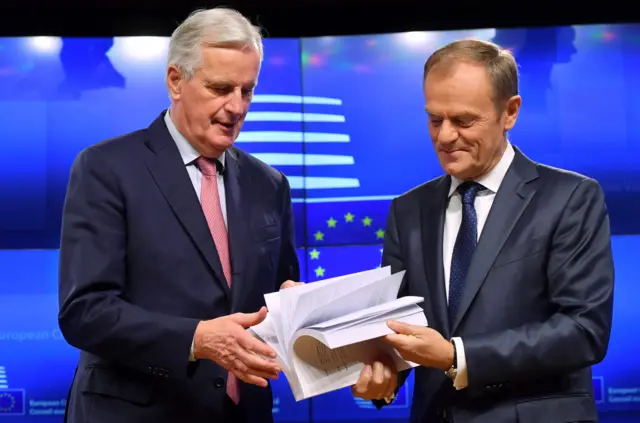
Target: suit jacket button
219, 382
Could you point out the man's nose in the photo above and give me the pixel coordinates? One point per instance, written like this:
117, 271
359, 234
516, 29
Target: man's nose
235, 104
447, 133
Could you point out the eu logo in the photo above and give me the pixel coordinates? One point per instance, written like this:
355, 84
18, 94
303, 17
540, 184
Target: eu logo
11, 402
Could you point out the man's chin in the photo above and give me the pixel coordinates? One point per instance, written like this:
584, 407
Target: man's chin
456, 169
216, 145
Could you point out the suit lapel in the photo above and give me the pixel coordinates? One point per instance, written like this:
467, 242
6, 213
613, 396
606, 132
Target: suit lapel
171, 176
512, 198
237, 219
432, 227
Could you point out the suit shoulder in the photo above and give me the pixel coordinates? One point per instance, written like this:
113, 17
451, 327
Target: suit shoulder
119, 147
111, 152
420, 191
566, 178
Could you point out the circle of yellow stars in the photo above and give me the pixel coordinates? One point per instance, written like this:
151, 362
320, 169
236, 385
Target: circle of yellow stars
332, 223
7, 402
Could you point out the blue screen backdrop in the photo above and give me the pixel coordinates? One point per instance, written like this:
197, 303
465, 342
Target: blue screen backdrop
343, 118
36, 362
579, 86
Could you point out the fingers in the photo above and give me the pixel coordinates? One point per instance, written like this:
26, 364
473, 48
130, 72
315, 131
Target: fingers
362, 385
399, 342
250, 368
401, 328
261, 374
290, 284
249, 378
258, 363
383, 383
251, 344
247, 370
376, 381
251, 319
391, 377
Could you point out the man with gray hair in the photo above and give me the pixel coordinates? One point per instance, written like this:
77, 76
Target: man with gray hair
170, 238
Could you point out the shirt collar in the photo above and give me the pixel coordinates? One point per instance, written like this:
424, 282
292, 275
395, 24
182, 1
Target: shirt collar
187, 151
493, 179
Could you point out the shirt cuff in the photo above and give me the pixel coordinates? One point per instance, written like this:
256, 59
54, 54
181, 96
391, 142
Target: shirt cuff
192, 356
461, 381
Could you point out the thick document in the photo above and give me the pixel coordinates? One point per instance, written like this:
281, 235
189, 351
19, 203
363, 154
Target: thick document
324, 332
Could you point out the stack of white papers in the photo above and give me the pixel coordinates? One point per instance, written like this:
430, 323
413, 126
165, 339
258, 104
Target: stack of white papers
324, 332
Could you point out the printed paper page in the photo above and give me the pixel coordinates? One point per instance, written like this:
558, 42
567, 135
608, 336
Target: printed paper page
266, 332
361, 315
374, 328
322, 370
282, 310
296, 304
334, 301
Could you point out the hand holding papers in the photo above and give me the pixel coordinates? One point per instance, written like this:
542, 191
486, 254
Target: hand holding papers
324, 332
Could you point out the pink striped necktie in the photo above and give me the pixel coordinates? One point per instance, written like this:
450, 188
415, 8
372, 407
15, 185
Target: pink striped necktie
210, 200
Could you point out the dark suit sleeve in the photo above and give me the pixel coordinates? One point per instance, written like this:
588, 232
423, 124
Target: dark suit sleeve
94, 314
288, 265
580, 279
392, 256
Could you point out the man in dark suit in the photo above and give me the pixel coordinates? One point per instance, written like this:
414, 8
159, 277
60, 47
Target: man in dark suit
512, 257
153, 291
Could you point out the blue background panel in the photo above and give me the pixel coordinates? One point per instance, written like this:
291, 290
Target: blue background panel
36, 359
579, 87
64, 94
343, 118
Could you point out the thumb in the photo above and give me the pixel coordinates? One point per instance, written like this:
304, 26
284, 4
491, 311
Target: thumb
400, 327
247, 320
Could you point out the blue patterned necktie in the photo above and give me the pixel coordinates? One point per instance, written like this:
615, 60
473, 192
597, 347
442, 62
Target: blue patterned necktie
464, 247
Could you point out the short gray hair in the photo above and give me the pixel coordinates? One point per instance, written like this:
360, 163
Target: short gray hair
217, 27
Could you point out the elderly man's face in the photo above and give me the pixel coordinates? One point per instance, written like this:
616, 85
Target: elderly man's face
209, 109
466, 129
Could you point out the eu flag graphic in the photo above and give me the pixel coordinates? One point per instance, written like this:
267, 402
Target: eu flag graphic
343, 222
330, 262
11, 402
307, 138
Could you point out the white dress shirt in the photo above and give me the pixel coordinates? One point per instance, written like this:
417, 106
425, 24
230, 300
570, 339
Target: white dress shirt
453, 218
189, 155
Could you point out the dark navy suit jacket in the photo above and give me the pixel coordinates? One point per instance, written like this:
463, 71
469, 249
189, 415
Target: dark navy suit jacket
139, 270
536, 310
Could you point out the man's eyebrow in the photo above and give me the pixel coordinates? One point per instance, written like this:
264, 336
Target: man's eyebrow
458, 114
209, 81
226, 83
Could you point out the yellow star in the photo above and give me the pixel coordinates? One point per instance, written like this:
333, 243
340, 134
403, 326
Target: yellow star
319, 271
380, 234
348, 217
332, 222
315, 254
367, 221
319, 236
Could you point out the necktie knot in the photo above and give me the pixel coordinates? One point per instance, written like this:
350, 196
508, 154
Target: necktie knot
208, 166
468, 191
